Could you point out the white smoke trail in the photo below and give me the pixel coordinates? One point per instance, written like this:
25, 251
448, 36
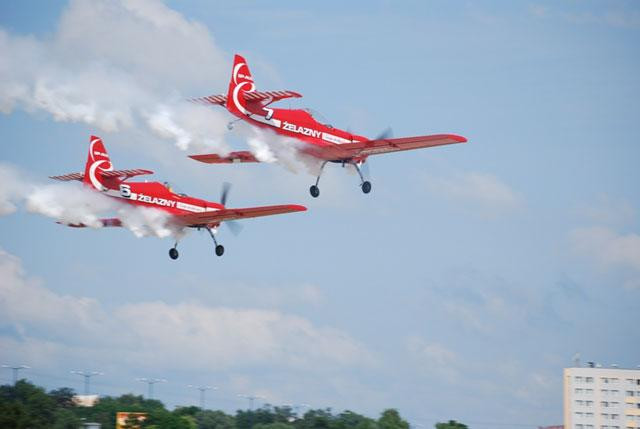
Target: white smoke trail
137, 78
69, 204
267, 146
72, 203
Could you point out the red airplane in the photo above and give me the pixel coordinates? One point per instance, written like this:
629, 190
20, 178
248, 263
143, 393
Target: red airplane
185, 211
322, 141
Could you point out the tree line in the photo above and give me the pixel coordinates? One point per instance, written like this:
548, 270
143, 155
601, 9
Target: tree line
27, 406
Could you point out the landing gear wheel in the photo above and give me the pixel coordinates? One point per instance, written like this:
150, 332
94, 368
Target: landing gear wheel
219, 250
173, 253
366, 187
314, 191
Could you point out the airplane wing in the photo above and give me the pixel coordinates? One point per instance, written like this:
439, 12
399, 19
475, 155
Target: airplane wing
232, 158
110, 174
264, 97
209, 217
375, 147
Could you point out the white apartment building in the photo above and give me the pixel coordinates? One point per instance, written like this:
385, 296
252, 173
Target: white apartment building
601, 398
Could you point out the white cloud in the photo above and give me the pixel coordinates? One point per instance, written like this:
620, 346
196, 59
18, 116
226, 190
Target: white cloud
159, 334
607, 247
483, 191
609, 211
119, 65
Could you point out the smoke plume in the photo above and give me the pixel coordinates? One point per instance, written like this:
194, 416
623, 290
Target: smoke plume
118, 65
72, 203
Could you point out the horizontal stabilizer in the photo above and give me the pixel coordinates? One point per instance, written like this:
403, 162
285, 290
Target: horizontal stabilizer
232, 158
107, 222
124, 174
264, 97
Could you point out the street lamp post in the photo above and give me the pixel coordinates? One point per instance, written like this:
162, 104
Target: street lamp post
151, 382
203, 389
251, 398
87, 377
15, 369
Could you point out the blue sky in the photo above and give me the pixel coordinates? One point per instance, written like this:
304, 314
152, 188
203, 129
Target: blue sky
459, 288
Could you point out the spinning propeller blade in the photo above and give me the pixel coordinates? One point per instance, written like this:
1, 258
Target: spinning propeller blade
233, 226
386, 134
226, 186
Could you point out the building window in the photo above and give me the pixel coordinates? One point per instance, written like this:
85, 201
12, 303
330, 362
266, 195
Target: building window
578, 379
629, 392
604, 404
590, 380
604, 379
578, 390
579, 427
589, 403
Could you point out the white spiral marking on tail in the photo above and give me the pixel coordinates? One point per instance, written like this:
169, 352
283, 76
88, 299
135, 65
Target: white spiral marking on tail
236, 90
92, 174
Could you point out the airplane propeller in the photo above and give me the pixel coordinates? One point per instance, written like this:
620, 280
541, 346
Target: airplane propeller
385, 134
233, 226
364, 166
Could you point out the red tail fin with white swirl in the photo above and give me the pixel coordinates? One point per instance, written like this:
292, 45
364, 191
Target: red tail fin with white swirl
241, 83
97, 162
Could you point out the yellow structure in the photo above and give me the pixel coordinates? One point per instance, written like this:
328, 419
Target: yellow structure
122, 418
601, 398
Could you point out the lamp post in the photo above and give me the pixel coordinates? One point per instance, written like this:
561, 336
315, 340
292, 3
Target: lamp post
87, 377
251, 398
151, 382
203, 389
15, 369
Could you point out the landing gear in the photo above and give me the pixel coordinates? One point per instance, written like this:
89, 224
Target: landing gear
364, 184
314, 190
173, 252
219, 247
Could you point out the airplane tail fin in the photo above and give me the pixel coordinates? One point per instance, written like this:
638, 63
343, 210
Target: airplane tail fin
241, 83
98, 162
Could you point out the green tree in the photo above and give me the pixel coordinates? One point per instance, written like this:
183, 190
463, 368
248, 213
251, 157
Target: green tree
350, 420
390, 419
63, 397
209, 419
451, 424
25, 405
65, 419
315, 419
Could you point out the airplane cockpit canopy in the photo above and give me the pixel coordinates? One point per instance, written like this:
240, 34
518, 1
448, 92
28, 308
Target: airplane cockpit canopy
318, 117
171, 189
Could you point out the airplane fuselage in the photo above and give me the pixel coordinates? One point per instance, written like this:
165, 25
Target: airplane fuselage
157, 195
322, 140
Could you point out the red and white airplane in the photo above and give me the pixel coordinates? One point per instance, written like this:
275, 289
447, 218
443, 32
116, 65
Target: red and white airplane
184, 211
322, 141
